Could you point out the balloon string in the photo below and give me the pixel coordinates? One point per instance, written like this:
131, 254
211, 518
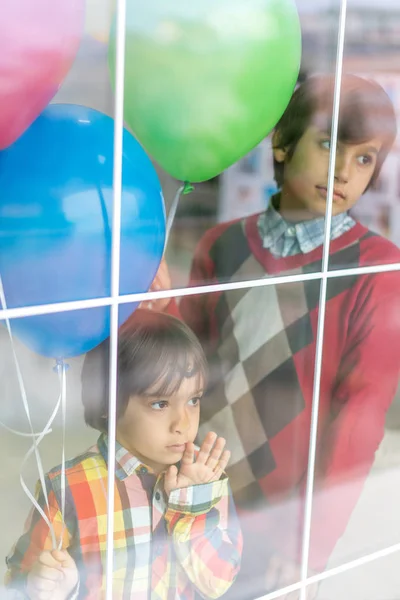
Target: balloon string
61, 368
25, 487
185, 189
35, 442
172, 213
21, 433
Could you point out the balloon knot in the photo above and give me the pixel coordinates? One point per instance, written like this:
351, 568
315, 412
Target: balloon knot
60, 365
187, 188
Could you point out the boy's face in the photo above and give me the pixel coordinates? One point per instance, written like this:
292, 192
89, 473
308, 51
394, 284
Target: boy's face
305, 176
155, 429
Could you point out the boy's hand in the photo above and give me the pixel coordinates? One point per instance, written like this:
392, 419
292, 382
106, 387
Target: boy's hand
162, 281
281, 573
208, 466
54, 576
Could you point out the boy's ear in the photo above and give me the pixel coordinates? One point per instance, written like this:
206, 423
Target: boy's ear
279, 151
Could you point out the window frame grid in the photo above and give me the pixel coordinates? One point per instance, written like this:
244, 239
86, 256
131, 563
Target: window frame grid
115, 278
115, 299
307, 516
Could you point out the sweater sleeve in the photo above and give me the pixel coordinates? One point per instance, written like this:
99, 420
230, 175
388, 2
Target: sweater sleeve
206, 535
366, 384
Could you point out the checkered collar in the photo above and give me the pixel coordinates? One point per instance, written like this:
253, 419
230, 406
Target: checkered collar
309, 234
126, 463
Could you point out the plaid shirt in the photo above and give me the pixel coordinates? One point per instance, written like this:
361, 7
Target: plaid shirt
287, 239
163, 549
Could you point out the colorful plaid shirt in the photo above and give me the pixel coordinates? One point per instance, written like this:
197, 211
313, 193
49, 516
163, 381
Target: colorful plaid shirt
164, 549
284, 239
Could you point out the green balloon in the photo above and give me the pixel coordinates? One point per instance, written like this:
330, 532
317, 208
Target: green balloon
206, 80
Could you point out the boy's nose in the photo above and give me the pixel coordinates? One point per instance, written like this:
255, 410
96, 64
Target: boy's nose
181, 422
342, 168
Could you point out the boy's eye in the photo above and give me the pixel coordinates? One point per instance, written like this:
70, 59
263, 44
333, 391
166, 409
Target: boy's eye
159, 405
325, 144
194, 401
365, 159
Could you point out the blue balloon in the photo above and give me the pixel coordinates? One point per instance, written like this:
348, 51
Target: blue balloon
56, 202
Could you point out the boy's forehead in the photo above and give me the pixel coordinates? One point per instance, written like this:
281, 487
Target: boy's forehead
177, 385
321, 127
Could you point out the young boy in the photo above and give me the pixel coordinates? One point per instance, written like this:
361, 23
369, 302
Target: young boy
261, 342
175, 528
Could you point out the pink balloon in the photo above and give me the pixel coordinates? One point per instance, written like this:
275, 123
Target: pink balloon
39, 40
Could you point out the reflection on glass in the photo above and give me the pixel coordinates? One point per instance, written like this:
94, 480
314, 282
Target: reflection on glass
260, 344
261, 341
367, 458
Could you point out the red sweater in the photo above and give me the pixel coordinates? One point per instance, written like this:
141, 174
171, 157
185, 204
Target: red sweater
261, 346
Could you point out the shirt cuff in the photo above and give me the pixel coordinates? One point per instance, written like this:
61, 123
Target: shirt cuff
198, 499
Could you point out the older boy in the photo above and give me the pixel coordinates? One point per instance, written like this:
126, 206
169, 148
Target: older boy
261, 342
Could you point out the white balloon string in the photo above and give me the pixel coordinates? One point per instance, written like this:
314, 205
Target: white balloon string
63, 386
21, 433
35, 443
45, 431
172, 213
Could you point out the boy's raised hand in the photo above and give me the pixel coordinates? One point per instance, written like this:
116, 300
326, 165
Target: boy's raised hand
162, 281
209, 465
54, 576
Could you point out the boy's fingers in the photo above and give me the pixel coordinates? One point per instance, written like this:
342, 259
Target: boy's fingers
216, 453
170, 477
146, 304
217, 474
188, 455
47, 560
223, 461
221, 466
63, 558
206, 447
49, 573
171, 473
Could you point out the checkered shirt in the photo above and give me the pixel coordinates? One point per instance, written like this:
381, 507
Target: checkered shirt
163, 549
283, 238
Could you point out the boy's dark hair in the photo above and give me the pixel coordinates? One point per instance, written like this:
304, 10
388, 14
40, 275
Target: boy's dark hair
155, 351
366, 112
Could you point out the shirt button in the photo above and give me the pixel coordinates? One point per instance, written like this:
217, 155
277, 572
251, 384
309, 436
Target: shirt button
143, 470
157, 495
291, 231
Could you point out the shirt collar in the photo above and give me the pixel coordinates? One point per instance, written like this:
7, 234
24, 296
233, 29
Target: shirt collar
126, 463
309, 234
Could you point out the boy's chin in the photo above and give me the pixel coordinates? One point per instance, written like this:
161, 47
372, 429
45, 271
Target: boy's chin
318, 210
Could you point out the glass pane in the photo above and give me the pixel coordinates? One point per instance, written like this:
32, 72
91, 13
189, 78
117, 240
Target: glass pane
357, 460
371, 50
88, 81
43, 394
260, 344
377, 579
